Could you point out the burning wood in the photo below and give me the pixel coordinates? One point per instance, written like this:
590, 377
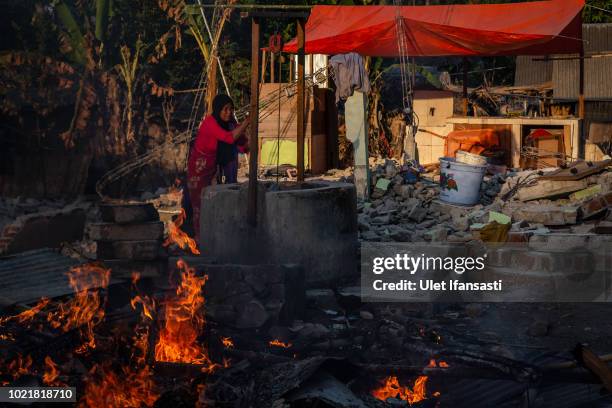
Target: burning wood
278, 343
433, 364
227, 342
393, 389
26, 315
86, 309
184, 321
179, 237
51, 373
130, 388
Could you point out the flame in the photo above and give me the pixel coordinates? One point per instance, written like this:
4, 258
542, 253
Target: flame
86, 309
20, 366
278, 343
393, 389
135, 278
434, 364
227, 342
27, 315
51, 373
148, 305
179, 237
184, 321
126, 389
7, 337
227, 362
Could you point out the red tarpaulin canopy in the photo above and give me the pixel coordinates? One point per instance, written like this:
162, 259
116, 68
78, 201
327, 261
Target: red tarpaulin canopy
531, 28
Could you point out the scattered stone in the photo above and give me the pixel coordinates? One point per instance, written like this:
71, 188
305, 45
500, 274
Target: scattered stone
366, 315
418, 213
473, 309
438, 234
251, 315
322, 299
538, 328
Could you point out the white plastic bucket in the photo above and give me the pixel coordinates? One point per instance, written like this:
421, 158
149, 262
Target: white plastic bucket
459, 182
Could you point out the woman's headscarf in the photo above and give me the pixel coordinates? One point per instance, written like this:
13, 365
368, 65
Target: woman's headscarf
217, 105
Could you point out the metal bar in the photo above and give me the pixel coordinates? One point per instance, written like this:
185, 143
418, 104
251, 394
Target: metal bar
301, 36
275, 14
254, 118
195, 8
598, 55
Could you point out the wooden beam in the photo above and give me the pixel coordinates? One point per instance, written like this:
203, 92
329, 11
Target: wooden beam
301, 35
254, 118
595, 365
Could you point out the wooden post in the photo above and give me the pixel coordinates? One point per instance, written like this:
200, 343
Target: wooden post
581, 85
254, 118
271, 67
465, 88
263, 67
300, 100
211, 90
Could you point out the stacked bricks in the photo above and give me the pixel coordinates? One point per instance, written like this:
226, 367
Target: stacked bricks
130, 239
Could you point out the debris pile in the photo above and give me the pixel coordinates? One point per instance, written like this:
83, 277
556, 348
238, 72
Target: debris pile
404, 204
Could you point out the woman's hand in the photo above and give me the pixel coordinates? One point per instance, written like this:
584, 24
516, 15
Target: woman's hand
239, 131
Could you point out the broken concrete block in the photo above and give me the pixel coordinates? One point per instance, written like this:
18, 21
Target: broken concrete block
596, 205
128, 213
129, 250
603, 227
547, 215
586, 193
251, 315
550, 189
127, 232
438, 234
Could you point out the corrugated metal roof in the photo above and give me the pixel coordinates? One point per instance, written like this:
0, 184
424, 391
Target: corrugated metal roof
30, 275
477, 393
565, 74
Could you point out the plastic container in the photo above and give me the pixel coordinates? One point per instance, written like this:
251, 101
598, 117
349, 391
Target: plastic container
470, 158
460, 182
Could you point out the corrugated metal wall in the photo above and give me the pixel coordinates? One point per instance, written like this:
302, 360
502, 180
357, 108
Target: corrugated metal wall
597, 71
565, 74
529, 72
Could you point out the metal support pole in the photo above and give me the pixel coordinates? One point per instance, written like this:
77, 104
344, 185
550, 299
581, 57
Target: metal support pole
254, 118
300, 101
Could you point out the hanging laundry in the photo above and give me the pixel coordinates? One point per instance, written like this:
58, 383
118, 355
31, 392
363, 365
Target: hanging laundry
349, 75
